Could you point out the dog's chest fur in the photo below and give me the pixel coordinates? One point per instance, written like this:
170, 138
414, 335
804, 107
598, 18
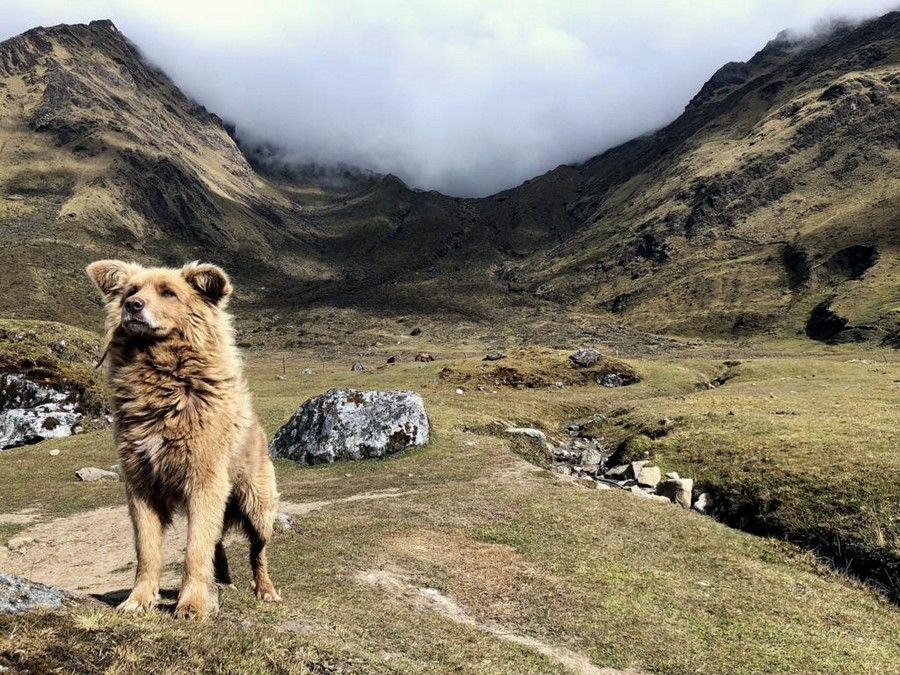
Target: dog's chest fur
175, 416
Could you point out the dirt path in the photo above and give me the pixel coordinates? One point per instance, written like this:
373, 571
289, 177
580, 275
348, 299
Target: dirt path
92, 551
433, 600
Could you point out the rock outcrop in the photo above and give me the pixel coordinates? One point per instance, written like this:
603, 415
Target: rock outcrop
31, 411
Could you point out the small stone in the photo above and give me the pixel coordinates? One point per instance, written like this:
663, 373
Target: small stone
585, 358
494, 356
527, 431
282, 522
648, 476
306, 371
673, 475
677, 490
703, 504
92, 474
357, 366
280, 377
54, 452
15, 198
560, 385
392, 359
415, 331
460, 390
424, 357
19, 544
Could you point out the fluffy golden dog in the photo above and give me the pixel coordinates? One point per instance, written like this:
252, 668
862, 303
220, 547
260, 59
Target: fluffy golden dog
187, 437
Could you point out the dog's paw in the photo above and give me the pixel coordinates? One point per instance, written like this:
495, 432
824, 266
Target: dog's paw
197, 604
267, 593
138, 602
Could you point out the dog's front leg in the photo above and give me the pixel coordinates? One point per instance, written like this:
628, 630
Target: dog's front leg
148, 526
206, 511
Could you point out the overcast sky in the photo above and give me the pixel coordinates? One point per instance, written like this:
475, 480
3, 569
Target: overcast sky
464, 96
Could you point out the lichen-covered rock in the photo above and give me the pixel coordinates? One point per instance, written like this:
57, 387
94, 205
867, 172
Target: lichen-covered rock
18, 594
351, 424
31, 412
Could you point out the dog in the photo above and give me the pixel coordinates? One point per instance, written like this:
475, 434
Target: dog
184, 428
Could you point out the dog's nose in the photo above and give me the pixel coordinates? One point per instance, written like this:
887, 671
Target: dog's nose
134, 305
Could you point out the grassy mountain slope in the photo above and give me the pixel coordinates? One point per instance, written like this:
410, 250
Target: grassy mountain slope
775, 193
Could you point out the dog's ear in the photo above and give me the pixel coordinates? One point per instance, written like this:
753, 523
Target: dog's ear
210, 281
110, 276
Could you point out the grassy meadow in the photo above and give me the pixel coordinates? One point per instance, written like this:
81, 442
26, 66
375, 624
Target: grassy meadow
462, 557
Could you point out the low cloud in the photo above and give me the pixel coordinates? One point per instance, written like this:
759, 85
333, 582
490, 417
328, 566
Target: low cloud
463, 96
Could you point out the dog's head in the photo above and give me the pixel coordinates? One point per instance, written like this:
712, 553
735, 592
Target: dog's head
155, 302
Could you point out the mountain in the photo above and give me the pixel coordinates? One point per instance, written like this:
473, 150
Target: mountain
770, 204
767, 206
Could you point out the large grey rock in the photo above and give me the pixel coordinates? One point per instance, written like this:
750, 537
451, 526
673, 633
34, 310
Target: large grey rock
677, 490
18, 594
91, 474
585, 357
31, 412
352, 424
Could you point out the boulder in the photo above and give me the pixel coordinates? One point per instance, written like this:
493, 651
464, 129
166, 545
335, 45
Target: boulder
350, 424
677, 490
648, 476
92, 474
18, 594
585, 358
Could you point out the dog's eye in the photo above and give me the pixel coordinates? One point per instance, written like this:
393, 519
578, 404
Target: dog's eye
168, 293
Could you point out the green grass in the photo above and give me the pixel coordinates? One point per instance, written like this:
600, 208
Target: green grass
625, 582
